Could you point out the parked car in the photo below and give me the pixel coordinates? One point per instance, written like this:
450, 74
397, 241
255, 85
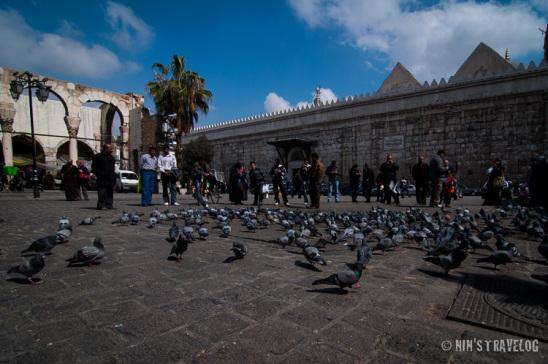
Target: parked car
126, 181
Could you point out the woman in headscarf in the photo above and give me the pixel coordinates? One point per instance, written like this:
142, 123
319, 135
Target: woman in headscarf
69, 181
237, 183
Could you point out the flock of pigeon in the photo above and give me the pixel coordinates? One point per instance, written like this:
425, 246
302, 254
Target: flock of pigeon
447, 239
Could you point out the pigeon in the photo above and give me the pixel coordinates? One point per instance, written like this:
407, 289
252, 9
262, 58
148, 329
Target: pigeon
179, 247
30, 267
448, 262
188, 232
152, 221
89, 220
88, 254
173, 232
63, 235
226, 230
345, 278
543, 248
364, 255
124, 219
384, 244
312, 254
503, 244
43, 245
283, 241
64, 223
203, 233
239, 249
497, 258
135, 219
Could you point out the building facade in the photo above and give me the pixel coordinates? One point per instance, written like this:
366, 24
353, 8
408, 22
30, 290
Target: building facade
65, 128
490, 108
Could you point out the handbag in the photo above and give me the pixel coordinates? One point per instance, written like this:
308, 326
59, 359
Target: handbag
499, 182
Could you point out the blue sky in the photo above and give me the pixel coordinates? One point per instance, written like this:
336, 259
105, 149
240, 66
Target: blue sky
259, 56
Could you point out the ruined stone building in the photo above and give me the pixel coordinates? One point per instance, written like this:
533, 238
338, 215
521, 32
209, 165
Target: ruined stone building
72, 124
490, 108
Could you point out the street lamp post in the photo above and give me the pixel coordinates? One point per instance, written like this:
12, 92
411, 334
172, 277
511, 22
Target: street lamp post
17, 86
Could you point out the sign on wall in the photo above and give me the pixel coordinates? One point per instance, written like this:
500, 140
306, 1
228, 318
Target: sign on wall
394, 142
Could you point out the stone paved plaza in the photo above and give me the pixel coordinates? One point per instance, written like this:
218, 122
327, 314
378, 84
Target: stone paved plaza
139, 307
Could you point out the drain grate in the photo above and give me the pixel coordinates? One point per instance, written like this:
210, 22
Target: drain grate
515, 305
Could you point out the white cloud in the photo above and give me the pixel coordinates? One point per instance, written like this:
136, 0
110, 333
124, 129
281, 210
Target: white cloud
273, 102
130, 31
431, 41
25, 48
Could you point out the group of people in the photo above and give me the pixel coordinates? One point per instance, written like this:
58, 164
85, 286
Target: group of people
150, 164
74, 180
310, 176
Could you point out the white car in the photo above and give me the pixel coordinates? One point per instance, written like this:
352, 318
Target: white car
126, 181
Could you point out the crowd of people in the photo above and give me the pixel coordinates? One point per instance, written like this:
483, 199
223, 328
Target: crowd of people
436, 180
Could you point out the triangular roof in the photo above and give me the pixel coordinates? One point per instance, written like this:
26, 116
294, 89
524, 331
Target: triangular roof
483, 61
399, 78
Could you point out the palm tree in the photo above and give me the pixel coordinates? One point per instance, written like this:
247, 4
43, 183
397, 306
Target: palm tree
176, 90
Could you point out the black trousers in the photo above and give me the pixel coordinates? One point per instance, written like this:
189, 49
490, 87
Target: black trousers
355, 187
315, 194
367, 191
279, 187
422, 190
258, 194
104, 197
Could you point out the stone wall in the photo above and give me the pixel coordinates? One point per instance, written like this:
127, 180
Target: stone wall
474, 121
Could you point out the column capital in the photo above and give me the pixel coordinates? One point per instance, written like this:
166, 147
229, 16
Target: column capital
72, 131
73, 124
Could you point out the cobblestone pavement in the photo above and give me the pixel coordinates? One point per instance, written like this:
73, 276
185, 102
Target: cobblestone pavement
138, 307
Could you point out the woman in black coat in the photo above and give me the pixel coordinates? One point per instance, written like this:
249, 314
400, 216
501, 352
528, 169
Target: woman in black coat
69, 181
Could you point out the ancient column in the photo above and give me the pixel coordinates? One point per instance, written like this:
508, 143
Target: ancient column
73, 123
7, 114
124, 147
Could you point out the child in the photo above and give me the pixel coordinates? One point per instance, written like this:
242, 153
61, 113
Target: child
448, 190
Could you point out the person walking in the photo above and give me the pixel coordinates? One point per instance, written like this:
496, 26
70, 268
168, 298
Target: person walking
495, 184
148, 166
435, 171
278, 172
389, 171
237, 183
69, 181
316, 175
420, 176
83, 178
256, 183
355, 176
368, 180
103, 168
304, 172
167, 163
334, 178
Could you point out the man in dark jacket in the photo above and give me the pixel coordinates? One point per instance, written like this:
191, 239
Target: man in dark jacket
278, 172
256, 183
389, 170
368, 179
103, 168
435, 172
420, 176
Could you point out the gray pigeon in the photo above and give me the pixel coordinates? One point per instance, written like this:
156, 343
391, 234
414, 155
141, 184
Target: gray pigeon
345, 278
89, 220
179, 247
448, 262
203, 233
498, 257
188, 232
43, 245
312, 254
152, 221
226, 230
64, 223
88, 254
364, 255
239, 249
30, 267
173, 232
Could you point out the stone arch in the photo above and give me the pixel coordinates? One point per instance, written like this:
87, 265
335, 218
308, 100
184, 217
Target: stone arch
22, 151
85, 152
